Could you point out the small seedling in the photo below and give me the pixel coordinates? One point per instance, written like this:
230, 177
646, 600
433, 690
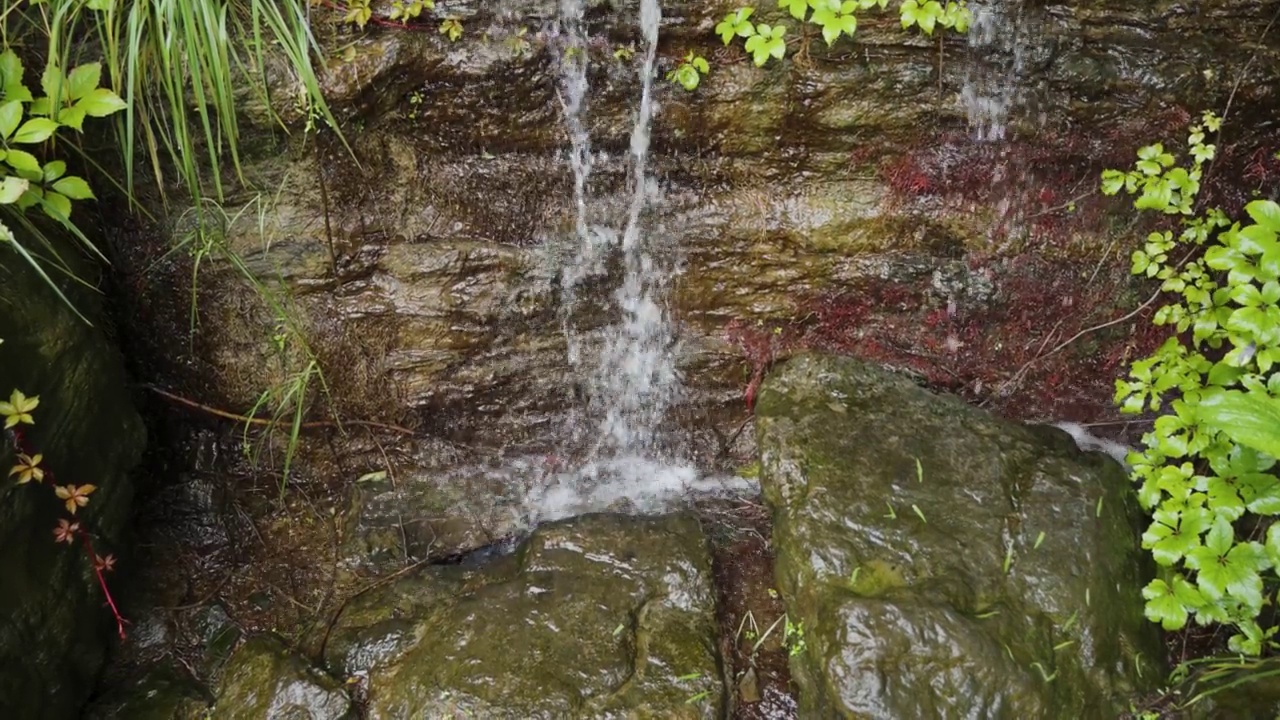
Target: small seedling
451, 27
689, 73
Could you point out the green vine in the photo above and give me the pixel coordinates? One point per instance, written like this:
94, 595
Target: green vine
1207, 471
835, 18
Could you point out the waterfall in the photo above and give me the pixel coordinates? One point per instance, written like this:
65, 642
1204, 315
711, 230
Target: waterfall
631, 379
636, 377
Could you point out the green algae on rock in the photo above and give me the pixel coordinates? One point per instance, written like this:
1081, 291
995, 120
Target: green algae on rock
603, 616
945, 563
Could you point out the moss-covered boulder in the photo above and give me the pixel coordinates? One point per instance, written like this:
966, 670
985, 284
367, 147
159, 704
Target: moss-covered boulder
264, 680
160, 693
54, 626
943, 563
602, 616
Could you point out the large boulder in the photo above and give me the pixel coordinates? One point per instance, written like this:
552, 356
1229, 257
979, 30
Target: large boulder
940, 562
598, 617
54, 625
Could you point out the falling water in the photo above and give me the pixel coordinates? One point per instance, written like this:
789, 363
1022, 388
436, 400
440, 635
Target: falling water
636, 378
998, 59
632, 380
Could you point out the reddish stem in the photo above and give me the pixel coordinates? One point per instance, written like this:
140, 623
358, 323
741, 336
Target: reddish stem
102, 582
21, 445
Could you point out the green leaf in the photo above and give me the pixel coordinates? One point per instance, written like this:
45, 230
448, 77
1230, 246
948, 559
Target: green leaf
11, 188
53, 82
10, 116
1255, 240
72, 117
1265, 213
11, 70
54, 170
57, 206
1163, 607
1251, 321
1249, 419
84, 79
75, 188
1112, 181
25, 164
35, 130
101, 103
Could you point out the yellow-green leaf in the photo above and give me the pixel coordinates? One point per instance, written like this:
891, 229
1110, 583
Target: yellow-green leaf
72, 117
74, 188
57, 206
53, 82
11, 70
10, 116
25, 164
101, 103
11, 189
84, 79
54, 170
35, 130
1250, 419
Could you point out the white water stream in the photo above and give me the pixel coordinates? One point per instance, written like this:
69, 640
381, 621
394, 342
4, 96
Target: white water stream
614, 442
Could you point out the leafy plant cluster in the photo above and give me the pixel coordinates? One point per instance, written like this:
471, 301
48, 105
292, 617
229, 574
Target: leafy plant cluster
401, 12
835, 18
26, 120
1207, 472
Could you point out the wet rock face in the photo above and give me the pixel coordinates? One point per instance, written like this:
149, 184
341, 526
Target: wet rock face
54, 626
944, 563
598, 617
264, 680
429, 272
427, 276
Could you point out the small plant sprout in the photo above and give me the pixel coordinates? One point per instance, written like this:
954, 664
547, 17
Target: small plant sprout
893, 514
919, 471
624, 53
835, 18
689, 73
1008, 559
736, 24
1039, 541
358, 13
518, 43
404, 11
451, 27
919, 513
793, 637
933, 14
767, 42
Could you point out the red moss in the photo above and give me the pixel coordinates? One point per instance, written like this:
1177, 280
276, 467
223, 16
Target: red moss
1001, 354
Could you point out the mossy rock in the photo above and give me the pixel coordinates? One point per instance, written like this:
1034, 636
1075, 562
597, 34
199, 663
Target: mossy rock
161, 693
943, 562
263, 679
602, 616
